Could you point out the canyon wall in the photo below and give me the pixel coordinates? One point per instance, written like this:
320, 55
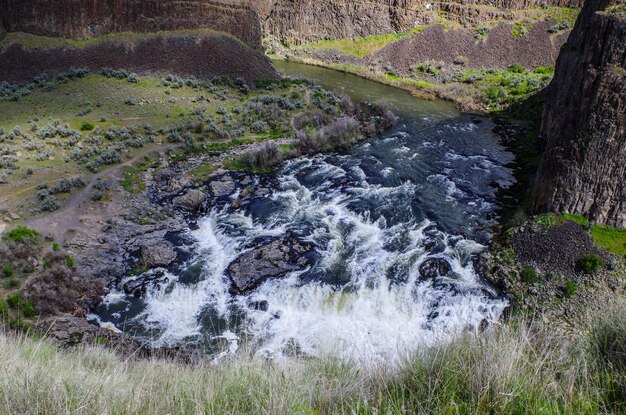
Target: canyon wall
202, 55
583, 170
88, 18
293, 22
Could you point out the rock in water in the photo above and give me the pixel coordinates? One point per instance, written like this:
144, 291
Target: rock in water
139, 286
272, 260
434, 267
192, 200
158, 254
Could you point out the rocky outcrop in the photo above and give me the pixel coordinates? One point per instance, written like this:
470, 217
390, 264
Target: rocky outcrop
88, 18
295, 22
203, 55
584, 122
273, 260
192, 200
155, 253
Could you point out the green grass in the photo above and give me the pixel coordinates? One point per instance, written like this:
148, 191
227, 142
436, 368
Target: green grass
363, 46
529, 275
590, 263
238, 165
611, 239
558, 14
519, 368
133, 181
21, 234
202, 172
570, 288
7, 271
606, 237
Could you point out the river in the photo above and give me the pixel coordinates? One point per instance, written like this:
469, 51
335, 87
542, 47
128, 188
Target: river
424, 189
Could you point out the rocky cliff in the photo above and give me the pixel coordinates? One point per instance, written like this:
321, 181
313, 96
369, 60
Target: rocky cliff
88, 18
583, 170
293, 22
203, 55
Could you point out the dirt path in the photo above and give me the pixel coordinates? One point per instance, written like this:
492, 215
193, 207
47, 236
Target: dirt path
64, 221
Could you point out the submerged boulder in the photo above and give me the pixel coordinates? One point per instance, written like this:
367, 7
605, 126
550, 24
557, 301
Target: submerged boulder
434, 267
272, 260
138, 287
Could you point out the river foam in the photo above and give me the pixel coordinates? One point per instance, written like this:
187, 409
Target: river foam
374, 215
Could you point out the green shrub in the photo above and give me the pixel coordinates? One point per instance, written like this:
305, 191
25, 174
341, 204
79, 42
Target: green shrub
516, 68
56, 247
69, 261
11, 283
528, 275
28, 310
590, 263
14, 300
86, 126
544, 70
570, 288
4, 308
7, 271
22, 233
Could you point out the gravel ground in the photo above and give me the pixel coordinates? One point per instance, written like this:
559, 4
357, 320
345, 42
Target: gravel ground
557, 248
498, 50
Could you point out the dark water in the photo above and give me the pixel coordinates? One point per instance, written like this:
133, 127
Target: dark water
424, 189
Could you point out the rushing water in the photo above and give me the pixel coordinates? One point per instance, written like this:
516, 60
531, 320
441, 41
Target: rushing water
424, 189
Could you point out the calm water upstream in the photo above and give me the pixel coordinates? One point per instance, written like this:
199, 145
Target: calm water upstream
424, 189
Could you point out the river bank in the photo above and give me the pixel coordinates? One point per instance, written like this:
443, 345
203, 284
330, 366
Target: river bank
149, 231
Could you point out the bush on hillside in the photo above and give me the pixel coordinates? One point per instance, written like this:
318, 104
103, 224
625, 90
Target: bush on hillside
516, 68
265, 157
22, 234
529, 275
590, 263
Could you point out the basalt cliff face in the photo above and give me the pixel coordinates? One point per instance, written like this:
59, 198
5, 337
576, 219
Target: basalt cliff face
87, 18
583, 170
201, 55
294, 22
231, 47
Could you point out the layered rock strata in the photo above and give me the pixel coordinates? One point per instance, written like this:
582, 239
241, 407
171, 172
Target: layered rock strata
82, 19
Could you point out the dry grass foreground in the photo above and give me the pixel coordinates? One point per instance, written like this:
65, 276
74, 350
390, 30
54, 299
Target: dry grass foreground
513, 369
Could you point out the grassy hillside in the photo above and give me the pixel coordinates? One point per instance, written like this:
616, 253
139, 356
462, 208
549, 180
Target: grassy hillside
507, 370
78, 124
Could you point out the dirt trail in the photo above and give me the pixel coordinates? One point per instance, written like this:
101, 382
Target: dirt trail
62, 222
66, 222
